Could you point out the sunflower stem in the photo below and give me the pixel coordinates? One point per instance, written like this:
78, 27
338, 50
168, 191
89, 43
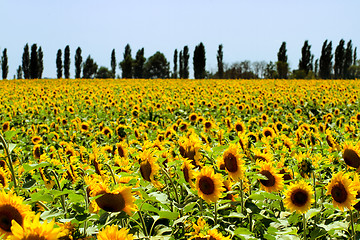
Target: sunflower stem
142, 221
173, 186
314, 181
352, 225
242, 196
9, 160
304, 225
215, 213
112, 173
59, 186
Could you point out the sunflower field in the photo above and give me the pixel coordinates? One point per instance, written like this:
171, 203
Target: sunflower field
179, 159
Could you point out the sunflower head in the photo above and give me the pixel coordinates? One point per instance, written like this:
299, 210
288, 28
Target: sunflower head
233, 162
351, 155
299, 197
274, 181
209, 185
114, 233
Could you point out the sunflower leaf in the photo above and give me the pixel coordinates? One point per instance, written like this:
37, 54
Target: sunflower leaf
242, 231
29, 167
168, 215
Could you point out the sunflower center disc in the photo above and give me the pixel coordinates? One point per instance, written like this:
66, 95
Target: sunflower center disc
239, 128
299, 197
231, 163
145, 170
111, 202
339, 193
206, 185
351, 158
8, 213
270, 179
186, 174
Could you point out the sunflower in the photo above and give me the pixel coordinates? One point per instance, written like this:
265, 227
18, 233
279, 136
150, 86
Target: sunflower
239, 127
214, 234
119, 199
36, 139
342, 191
183, 126
33, 229
189, 148
106, 131
4, 177
233, 162
114, 233
188, 170
12, 208
84, 127
37, 151
208, 125
209, 185
351, 155
193, 117
121, 149
148, 165
6, 126
252, 137
274, 181
268, 132
262, 156
299, 197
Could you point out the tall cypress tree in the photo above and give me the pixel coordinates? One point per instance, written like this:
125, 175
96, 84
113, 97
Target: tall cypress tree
26, 62
175, 74
127, 63
305, 62
34, 62
186, 57
139, 64
67, 62
282, 64
78, 62
40, 62
199, 61
339, 60
354, 61
326, 60
59, 64
220, 63
4, 64
348, 59
181, 65
113, 63
19, 72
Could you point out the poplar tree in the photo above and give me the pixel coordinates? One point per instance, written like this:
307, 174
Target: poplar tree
282, 64
175, 74
26, 62
78, 62
4, 64
113, 63
40, 62
348, 59
326, 60
139, 64
339, 60
127, 63
59, 64
305, 63
67, 62
34, 62
220, 64
181, 65
186, 57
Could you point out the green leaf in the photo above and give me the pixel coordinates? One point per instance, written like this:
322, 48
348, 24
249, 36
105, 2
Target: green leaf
271, 196
317, 232
312, 212
168, 215
189, 207
29, 167
41, 196
236, 215
149, 207
11, 147
257, 196
242, 231
73, 197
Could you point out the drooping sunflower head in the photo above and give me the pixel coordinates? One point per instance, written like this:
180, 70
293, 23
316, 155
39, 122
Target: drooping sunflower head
299, 197
342, 191
209, 185
233, 162
12, 208
351, 155
188, 170
274, 181
189, 148
114, 233
148, 165
121, 149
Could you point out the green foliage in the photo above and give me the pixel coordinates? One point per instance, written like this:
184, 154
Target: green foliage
26, 62
270, 71
40, 62
34, 62
67, 62
59, 64
103, 72
282, 64
185, 61
78, 62
305, 62
4, 64
139, 64
339, 60
220, 64
326, 60
126, 64
199, 61
175, 74
157, 66
90, 68
113, 63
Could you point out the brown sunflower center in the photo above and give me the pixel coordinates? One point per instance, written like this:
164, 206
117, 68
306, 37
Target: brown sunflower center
121, 151
206, 185
7, 214
357, 206
193, 117
145, 170
208, 125
84, 127
299, 197
239, 127
267, 133
111, 202
231, 162
270, 179
186, 174
351, 158
339, 193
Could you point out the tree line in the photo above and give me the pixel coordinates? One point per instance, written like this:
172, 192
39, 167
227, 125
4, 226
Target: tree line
340, 64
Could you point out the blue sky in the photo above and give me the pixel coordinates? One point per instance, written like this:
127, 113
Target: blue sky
249, 30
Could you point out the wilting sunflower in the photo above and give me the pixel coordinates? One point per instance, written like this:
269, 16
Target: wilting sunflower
342, 191
209, 185
33, 229
37, 151
119, 199
12, 208
351, 155
114, 233
233, 162
274, 181
299, 197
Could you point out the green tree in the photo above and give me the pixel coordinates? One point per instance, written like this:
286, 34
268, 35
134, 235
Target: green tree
104, 73
157, 66
186, 57
19, 72
139, 64
34, 62
348, 60
67, 62
305, 63
78, 62
59, 64
181, 65
339, 60
270, 71
126, 64
113, 64
175, 74
90, 68
220, 63
40, 62
199, 61
354, 61
326, 60
4, 64
282, 64
26, 62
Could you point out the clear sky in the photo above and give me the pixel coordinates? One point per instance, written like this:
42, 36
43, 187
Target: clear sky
249, 30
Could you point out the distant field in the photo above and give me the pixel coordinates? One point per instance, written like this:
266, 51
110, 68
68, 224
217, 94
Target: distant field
180, 159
